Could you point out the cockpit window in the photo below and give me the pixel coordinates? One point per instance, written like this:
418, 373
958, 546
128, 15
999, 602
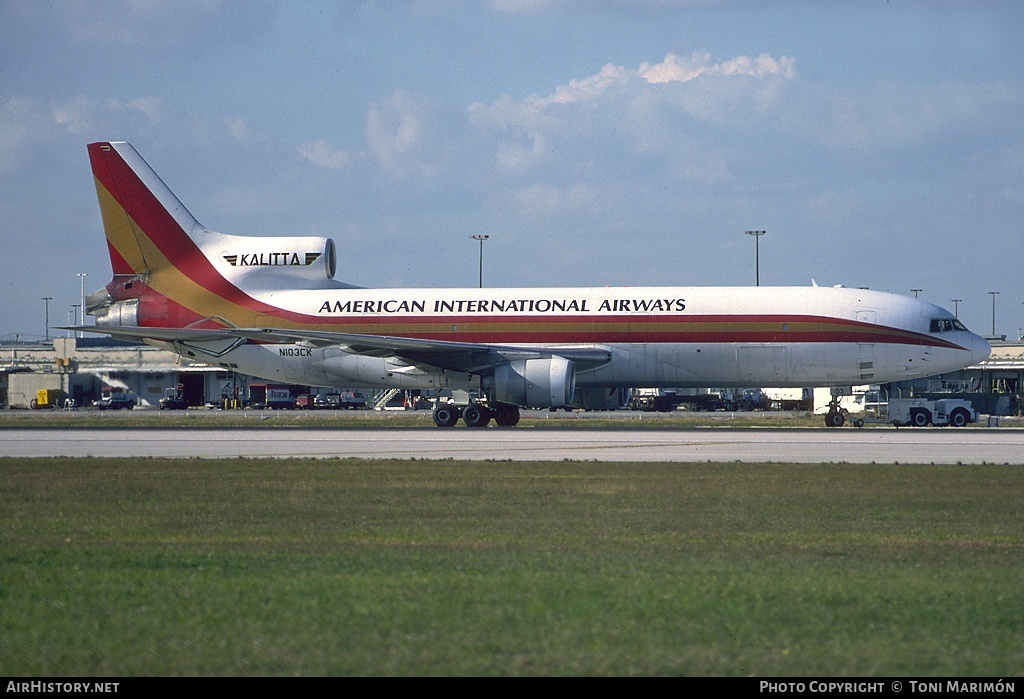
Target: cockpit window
943, 325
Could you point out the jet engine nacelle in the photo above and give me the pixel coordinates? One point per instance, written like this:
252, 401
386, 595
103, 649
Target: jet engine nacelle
604, 398
257, 261
549, 382
113, 313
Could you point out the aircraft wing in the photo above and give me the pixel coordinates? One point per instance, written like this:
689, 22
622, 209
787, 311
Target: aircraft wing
445, 354
161, 334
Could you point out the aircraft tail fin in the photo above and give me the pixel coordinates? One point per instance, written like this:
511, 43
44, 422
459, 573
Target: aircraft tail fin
171, 271
161, 276
141, 217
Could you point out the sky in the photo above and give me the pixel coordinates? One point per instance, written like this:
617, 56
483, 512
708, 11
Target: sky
596, 142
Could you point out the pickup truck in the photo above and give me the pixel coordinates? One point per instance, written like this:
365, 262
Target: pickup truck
115, 401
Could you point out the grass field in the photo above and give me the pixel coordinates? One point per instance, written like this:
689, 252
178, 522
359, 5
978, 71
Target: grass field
347, 567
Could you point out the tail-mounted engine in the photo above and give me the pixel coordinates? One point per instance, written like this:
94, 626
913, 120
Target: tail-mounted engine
250, 261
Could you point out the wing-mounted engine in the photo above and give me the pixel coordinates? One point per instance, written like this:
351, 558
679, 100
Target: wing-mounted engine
256, 262
547, 382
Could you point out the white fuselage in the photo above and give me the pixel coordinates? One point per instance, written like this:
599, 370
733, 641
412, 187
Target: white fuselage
656, 337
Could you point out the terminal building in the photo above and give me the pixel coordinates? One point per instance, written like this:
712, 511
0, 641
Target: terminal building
82, 370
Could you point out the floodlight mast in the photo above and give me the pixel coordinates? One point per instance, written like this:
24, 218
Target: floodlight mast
757, 255
481, 238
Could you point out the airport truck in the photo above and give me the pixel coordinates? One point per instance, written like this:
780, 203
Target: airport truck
921, 412
747, 399
264, 395
115, 399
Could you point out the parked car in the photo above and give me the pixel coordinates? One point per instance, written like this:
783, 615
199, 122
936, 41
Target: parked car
327, 401
352, 400
304, 401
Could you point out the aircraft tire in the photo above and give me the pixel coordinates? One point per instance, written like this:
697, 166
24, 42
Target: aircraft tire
446, 415
920, 418
834, 419
959, 418
476, 416
506, 416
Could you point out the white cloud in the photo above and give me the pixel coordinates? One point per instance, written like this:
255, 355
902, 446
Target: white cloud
85, 115
18, 119
322, 155
675, 69
239, 128
671, 70
76, 116
152, 107
395, 134
652, 110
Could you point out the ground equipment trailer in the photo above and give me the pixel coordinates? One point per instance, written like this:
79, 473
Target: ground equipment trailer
47, 398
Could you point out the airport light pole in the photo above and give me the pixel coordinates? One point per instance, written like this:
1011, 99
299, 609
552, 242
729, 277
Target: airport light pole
916, 291
956, 307
481, 238
82, 276
46, 302
757, 255
994, 294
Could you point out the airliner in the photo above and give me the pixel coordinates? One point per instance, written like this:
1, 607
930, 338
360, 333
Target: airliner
270, 307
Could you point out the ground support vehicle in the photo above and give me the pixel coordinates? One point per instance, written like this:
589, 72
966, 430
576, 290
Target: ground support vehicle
115, 400
173, 399
921, 412
667, 401
263, 395
47, 399
791, 398
352, 400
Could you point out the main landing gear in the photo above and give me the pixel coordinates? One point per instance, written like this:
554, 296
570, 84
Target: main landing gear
476, 415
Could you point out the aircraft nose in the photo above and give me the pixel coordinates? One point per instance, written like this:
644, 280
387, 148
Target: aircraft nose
980, 349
